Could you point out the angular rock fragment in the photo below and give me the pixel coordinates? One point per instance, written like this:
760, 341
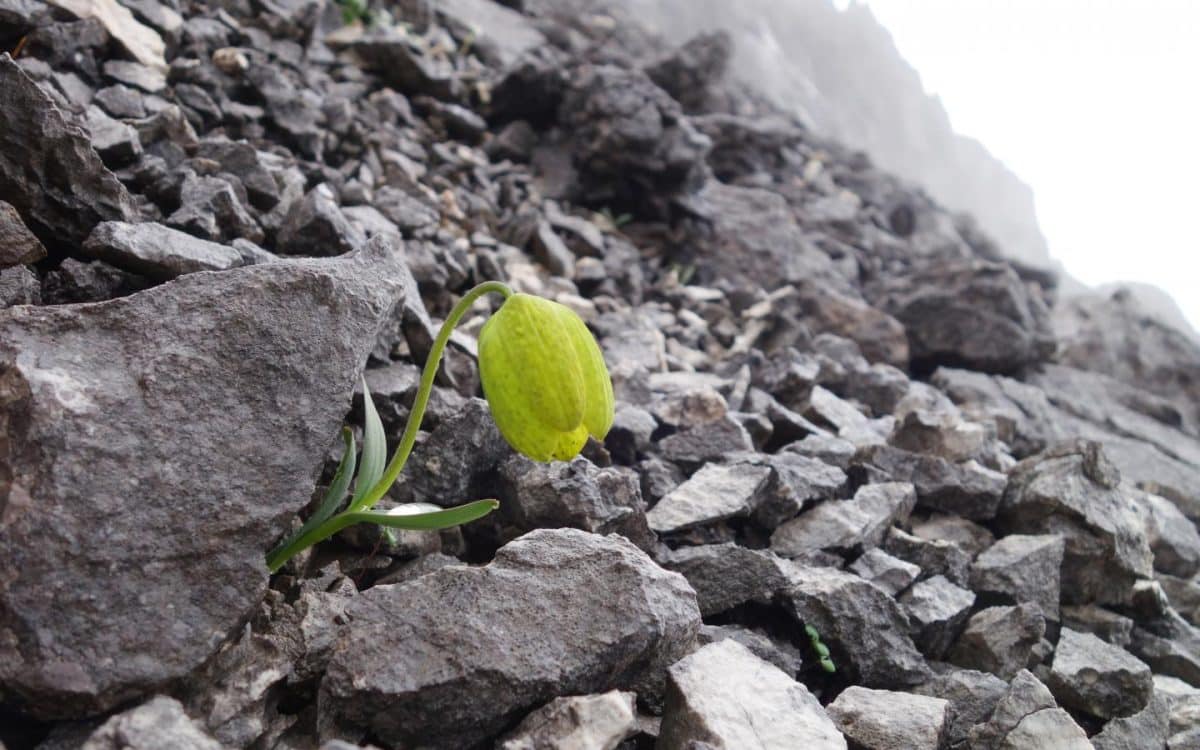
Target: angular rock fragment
158, 252
778, 652
1026, 716
452, 657
885, 719
159, 722
89, 417
972, 695
18, 246
972, 313
1000, 640
1021, 569
575, 494
797, 480
1170, 646
316, 226
965, 489
937, 609
447, 466
19, 286
715, 493
727, 575
858, 523
212, 208
725, 696
705, 442
48, 170
598, 721
1074, 491
1098, 678
861, 624
1173, 539
936, 557
891, 574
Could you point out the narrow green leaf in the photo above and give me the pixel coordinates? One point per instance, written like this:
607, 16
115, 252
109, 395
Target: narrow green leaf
374, 452
398, 518
332, 502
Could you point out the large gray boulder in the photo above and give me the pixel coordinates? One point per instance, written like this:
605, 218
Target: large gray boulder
152, 448
454, 656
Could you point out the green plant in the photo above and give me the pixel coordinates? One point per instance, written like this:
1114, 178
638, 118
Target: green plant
545, 381
355, 10
822, 651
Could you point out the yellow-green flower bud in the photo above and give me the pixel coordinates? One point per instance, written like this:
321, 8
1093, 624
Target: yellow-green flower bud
544, 378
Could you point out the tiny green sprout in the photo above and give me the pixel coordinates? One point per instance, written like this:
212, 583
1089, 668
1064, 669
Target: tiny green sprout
547, 386
820, 648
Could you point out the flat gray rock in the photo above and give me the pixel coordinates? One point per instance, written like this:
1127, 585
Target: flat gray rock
158, 252
891, 574
454, 656
889, 720
727, 575
715, 493
723, 696
157, 447
1098, 678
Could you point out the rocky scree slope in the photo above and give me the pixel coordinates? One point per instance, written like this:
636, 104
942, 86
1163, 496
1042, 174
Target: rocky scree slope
839, 408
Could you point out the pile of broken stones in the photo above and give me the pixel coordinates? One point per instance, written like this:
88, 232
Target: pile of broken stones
838, 407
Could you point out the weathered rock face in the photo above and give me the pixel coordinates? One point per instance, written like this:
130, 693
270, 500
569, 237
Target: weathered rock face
594, 721
160, 722
48, 169
158, 252
451, 657
1097, 678
970, 313
141, 486
725, 696
1074, 491
17, 243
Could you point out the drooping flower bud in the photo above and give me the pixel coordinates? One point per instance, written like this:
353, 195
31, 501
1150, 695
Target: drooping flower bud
544, 378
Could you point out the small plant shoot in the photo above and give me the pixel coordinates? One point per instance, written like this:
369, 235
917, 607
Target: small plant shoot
545, 382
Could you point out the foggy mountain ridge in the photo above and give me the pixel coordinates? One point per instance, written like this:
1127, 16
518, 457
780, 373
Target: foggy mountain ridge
842, 75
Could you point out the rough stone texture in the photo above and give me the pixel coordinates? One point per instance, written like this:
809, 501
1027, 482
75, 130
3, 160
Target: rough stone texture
18, 246
317, 226
158, 252
779, 652
1000, 640
593, 721
972, 695
631, 143
933, 557
754, 238
797, 481
715, 493
862, 625
887, 720
158, 723
1114, 334
1020, 569
723, 696
727, 575
1170, 646
1074, 491
972, 313
1095, 677
144, 589
574, 494
858, 523
1149, 727
19, 286
937, 610
48, 170
451, 657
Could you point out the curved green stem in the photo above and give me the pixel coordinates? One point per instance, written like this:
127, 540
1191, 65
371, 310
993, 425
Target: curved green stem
355, 512
400, 457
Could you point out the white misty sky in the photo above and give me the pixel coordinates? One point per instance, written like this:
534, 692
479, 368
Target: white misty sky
1095, 104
